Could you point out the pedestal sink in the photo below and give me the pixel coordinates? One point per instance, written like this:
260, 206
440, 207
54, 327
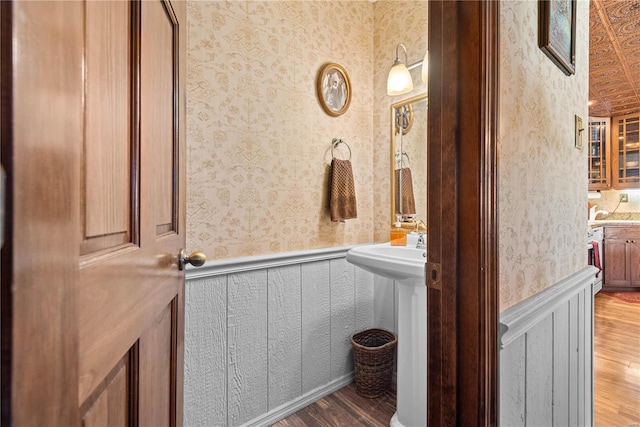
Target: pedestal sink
405, 265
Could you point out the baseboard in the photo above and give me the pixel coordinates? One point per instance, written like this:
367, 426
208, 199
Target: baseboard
299, 403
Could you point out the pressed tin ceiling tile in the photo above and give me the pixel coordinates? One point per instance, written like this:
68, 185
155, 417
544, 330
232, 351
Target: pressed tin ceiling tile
614, 57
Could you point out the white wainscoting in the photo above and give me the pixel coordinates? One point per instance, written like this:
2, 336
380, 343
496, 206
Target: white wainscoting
546, 356
266, 336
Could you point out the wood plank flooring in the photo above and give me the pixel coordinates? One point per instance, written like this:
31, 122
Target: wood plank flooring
616, 378
344, 408
616, 362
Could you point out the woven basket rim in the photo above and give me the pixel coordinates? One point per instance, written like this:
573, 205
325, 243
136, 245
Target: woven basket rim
392, 343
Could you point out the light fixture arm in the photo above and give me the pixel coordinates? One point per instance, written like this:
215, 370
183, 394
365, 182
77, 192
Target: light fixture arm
406, 56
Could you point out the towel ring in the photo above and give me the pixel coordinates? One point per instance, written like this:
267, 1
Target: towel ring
337, 142
400, 161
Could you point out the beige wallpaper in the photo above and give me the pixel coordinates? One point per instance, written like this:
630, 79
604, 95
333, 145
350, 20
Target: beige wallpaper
542, 177
395, 22
259, 142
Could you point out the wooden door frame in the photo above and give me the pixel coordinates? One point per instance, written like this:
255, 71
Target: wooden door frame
463, 242
39, 259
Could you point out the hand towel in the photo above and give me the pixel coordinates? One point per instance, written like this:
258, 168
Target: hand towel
342, 199
596, 257
406, 195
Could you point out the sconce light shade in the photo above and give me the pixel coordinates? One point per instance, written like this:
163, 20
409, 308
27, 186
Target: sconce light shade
399, 81
425, 67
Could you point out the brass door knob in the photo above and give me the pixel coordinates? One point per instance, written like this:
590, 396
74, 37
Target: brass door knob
197, 259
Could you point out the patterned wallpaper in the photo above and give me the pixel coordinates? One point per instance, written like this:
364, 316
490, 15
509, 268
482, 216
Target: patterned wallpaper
542, 177
395, 22
258, 142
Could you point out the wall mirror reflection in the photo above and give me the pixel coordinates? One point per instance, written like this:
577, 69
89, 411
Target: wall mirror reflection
408, 126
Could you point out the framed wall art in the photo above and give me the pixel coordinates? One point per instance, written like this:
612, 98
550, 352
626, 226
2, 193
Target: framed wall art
334, 89
557, 32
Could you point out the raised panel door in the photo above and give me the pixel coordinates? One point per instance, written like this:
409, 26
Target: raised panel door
98, 146
617, 270
130, 293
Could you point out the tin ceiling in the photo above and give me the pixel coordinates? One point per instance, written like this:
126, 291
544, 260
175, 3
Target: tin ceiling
614, 57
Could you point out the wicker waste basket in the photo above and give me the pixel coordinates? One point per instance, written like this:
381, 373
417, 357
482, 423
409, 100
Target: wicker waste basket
373, 351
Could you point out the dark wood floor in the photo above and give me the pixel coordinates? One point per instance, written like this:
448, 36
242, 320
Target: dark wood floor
616, 378
344, 408
616, 362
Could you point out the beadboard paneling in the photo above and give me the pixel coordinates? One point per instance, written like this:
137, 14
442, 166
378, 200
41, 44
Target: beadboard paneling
316, 325
539, 368
561, 378
247, 346
205, 355
512, 379
364, 299
265, 336
546, 356
343, 316
285, 326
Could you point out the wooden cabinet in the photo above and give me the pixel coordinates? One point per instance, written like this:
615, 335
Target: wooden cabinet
599, 146
614, 152
621, 257
625, 159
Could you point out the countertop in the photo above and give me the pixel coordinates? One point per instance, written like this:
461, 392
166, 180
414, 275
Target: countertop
616, 222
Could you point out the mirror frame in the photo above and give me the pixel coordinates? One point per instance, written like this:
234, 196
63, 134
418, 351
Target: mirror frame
410, 225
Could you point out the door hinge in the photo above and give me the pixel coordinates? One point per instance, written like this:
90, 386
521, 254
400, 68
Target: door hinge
434, 274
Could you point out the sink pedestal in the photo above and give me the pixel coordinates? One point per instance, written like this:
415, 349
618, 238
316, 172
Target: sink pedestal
412, 357
405, 265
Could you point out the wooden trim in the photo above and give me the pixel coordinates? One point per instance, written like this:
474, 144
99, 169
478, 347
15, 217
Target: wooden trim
179, 9
134, 384
134, 138
6, 138
174, 226
176, 325
463, 116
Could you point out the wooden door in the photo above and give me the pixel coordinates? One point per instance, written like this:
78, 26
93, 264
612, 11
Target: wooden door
617, 270
95, 155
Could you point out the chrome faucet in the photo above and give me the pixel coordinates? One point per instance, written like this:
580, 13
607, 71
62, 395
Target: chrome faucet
421, 242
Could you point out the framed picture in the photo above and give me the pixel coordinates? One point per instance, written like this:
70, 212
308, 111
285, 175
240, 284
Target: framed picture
557, 32
334, 89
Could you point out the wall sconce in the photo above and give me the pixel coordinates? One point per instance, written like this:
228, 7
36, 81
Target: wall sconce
399, 80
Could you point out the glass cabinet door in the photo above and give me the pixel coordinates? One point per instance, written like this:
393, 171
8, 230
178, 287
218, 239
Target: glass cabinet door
627, 151
599, 136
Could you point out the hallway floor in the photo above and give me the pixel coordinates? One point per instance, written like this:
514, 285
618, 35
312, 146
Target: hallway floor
616, 362
616, 379
344, 408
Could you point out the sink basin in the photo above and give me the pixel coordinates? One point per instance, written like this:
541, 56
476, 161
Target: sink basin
405, 265
401, 263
